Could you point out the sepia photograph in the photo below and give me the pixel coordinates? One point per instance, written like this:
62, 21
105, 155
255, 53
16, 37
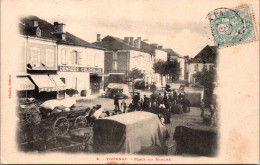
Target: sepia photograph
129, 81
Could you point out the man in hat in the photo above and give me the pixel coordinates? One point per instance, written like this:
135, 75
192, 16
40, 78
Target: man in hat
116, 103
146, 103
160, 99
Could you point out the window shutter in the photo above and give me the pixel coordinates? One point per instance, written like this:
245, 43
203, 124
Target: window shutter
79, 58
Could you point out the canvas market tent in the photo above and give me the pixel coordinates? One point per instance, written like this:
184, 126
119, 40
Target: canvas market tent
128, 133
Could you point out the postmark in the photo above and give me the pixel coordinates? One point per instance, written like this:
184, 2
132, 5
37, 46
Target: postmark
232, 26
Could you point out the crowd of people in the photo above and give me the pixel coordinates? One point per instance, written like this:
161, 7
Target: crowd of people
159, 104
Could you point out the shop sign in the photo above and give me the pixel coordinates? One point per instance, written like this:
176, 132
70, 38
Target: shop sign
79, 69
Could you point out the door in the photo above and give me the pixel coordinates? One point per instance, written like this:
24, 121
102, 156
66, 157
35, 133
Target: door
95, 82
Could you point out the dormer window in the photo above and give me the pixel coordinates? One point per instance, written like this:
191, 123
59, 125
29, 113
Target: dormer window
38, 32
114, 56
196, 67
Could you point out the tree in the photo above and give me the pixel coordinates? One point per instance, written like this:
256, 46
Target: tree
160, 67
207, 78
136, 73
171, 68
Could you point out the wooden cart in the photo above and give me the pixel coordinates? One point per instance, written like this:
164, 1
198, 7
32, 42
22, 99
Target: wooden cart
60, 122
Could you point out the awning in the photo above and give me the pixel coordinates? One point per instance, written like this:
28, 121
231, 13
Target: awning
58, 82
100, 74
23, 84
116, 73
103, 74
48, 83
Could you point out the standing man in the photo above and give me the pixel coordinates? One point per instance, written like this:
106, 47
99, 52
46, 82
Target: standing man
146, 103
165, 97
202, 107
136, 100
153, 97
175, 95
123, 105
160, 99
116, 103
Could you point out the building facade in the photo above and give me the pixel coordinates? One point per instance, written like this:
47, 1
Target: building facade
81, 68
206, 58
122, 56
172, 55
57, 63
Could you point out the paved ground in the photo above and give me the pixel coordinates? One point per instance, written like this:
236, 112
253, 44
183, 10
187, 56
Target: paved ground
192, 119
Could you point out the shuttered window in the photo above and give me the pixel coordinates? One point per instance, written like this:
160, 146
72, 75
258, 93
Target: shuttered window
114, 65
74, 57
35, 57
79, 60
49, 58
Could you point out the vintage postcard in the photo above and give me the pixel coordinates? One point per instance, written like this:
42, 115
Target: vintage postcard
129, 82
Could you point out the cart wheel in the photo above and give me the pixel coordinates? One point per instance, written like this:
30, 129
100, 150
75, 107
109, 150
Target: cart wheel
61, 126
91, 124
80, 122
30, 114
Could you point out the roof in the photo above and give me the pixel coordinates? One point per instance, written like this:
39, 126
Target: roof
147, 47
172, 52
207, 55
115, 43
47, 30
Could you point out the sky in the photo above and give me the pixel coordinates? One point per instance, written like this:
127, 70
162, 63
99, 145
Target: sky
180, 25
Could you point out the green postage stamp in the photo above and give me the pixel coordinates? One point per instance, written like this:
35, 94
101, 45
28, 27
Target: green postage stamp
232, 26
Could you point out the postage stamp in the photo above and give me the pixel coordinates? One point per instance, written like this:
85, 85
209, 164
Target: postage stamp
232, 26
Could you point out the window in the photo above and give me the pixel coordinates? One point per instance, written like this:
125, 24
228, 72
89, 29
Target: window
79, 60
49, 57
205, 66
114, 56
63, 56
196, 67
114, 65
74, 57
35, 57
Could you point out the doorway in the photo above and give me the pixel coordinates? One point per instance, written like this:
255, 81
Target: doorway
95, 83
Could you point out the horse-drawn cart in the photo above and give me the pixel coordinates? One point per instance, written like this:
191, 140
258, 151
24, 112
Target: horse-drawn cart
62, 121
58, 120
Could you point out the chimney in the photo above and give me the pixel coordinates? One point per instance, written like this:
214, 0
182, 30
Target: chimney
127, 40
59, 27
155, 45
33, 23
160, 47
98, 38
137, 42
131, 43
60, 30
